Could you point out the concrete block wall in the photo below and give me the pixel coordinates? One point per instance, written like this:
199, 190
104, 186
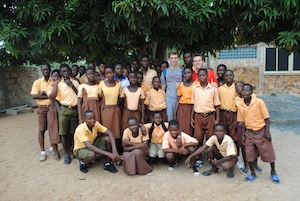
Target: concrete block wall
15, 86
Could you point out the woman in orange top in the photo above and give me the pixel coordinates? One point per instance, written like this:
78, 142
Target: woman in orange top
88, 96
184, 104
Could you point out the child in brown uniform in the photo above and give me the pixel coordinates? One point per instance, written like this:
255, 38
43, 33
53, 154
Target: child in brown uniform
134, 99
220, 147
254, 115
38, 92
135, 145
88, 96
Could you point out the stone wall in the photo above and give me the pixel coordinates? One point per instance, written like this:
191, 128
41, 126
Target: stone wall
282, 84
15, 86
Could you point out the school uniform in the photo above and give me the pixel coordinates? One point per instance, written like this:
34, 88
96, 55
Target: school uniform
170, 142
156, 140
228, 108
227, 146
52, 118
132, 100
205, 100
90, 99
68, 115
185, 107
110, 111
155, 99
147, 81
135, 161
254, 117
40, 85
83, 79
83, 134
211, 78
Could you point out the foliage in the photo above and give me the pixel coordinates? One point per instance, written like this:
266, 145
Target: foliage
39, 30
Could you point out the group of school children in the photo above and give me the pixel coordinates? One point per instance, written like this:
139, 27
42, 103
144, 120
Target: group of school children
138, 116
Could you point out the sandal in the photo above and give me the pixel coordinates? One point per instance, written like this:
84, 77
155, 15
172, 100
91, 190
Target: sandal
210, 172
250, 178
230, 174
275, 179
244, 171
259, 169
67, 160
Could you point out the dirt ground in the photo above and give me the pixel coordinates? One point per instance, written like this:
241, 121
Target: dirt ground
23, 177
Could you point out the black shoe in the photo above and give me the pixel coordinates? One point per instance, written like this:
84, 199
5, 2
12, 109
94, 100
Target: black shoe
110, 167
83, 167
67, 160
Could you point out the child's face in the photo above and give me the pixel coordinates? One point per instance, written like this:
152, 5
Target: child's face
45, 70
188, 74
238, 87
55, 76
219, 131
119, 70
135, 65
145, 62
174, 131
81, 70
89, 119
90, 75
164, 66
157, 119
109, 74
97, 78
198, 62
187, 58
132, 79
228, 77
174, 59
202, 76
74, 71
125, 72
133, 125
220, 71
158, 69
156, 83
101, 68
65, 72
139, 78
246, 92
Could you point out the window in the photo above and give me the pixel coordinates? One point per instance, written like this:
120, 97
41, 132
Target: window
239, 53
278, 60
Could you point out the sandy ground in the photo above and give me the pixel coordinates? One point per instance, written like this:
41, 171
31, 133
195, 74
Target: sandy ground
23, 177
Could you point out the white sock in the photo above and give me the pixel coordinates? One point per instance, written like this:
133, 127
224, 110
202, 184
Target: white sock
43, 153
81, 162
50, 149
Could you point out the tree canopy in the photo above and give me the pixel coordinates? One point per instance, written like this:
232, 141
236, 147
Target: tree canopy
44, 30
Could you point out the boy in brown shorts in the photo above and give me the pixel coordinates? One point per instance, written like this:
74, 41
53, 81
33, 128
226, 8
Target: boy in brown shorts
38, 92
254, 115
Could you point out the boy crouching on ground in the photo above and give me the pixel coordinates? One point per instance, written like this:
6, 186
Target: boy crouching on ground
92, 140
220, 147
177, 144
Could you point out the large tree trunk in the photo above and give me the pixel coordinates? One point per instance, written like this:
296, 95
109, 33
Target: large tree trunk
161, 51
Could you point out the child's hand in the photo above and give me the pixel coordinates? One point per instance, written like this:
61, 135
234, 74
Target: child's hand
187, 161
192, 122
268, 135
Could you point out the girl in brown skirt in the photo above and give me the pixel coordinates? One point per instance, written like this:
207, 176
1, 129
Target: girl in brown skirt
88, 96
134, 97
184, 104
52, 118
110, 111
135, 145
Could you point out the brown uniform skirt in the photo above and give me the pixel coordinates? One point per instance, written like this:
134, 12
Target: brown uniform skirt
52, 117
129, 113
90, 104
110, 118
184, 118
135, 162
